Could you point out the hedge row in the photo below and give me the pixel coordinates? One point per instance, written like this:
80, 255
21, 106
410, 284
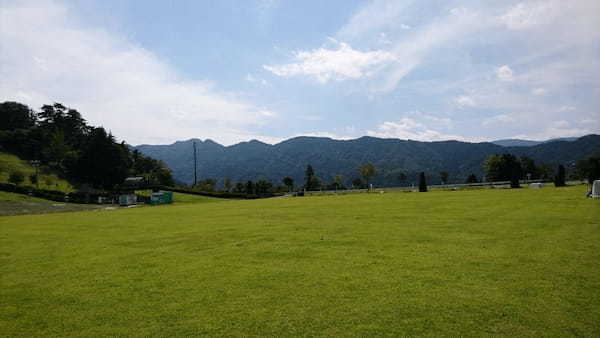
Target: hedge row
87, 198
228, 195
54, 195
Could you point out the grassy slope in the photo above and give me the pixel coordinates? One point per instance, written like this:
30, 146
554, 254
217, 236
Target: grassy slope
17, 204
10, 163
487, 262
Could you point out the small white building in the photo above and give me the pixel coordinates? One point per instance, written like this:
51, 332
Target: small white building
127, 199
536, 185
596, 189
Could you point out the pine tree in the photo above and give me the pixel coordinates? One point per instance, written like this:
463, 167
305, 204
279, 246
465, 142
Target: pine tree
288, 182
472, 179
367, 171
249, 188
312, 182
422, 183
515, 174
559, 179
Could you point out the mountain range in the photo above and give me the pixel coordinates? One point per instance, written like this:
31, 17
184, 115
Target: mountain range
255, 160
528, 143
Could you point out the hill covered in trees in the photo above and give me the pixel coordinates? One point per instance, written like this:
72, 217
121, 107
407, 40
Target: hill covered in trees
59, 142
398, 162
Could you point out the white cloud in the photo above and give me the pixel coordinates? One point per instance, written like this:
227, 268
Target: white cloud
589, 122
250, 78
566, 108
498, 120
504, 73
412, 50
410, 129
325, 134
49, 57
568, 22
529, 14
465, 101
311, 118
339, 63
375, 15
433, 121
539, 91
557, 129
383, 39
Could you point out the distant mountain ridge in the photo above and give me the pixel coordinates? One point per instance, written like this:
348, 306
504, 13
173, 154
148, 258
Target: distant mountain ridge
255, 160
529, 143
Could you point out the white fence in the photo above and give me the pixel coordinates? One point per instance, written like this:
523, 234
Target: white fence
499, 184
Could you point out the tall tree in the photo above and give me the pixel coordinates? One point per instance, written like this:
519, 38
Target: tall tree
227, 184
515, 174
402, 178
337, 181
422, 182
263, 187
239, 187
14, 115
559, 179
595, 170
288, 182
529, 169
505, 167
588, 169
206, 184
444, 177
357, 183
367, 171
103, 162
56, 151
250, 188
312, 182
472, 179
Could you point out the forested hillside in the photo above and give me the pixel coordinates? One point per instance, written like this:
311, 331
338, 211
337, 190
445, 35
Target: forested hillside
59, 141
398, 162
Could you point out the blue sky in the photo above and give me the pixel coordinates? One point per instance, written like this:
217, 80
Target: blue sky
160, 71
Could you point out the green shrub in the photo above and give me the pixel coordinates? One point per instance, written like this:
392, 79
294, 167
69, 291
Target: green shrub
16, 177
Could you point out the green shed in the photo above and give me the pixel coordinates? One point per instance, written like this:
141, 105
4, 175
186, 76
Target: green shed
163, 197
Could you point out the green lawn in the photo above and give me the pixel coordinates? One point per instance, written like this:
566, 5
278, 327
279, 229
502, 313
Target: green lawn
488, 262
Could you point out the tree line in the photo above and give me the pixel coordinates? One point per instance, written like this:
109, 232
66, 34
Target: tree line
60, 140
498, 167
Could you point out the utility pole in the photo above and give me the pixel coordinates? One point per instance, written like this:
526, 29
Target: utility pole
195, 165
36, 165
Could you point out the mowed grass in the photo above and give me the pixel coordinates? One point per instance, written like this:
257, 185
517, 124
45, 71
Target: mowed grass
473, 263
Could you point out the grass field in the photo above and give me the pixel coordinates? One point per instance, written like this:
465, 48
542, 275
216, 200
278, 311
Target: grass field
474, 263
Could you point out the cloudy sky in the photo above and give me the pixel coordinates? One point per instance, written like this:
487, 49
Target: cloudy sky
159, 71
